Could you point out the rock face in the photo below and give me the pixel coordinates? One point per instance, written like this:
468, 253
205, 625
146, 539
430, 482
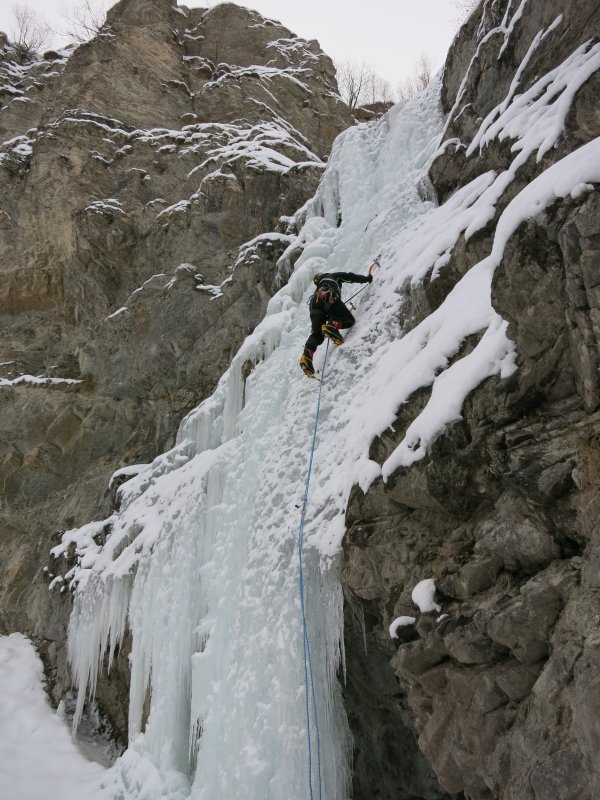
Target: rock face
502, 685
133, 169
138, 175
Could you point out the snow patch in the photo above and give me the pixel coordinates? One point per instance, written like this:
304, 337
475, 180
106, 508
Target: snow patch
127, 472
400, 622
37, 380
37, 756
423, 596
108, 206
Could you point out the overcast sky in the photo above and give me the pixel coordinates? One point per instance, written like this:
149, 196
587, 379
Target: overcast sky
388, 34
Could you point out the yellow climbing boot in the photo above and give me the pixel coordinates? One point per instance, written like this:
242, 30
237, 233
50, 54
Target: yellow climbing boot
307, 365
332, 333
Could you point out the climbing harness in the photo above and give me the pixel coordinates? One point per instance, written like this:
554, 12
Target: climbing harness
308, 674
328, 291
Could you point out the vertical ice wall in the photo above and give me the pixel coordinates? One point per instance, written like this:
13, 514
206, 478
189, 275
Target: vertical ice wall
201, 563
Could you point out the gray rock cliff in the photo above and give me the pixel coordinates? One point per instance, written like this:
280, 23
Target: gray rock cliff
501, 687
136, 173
139, 174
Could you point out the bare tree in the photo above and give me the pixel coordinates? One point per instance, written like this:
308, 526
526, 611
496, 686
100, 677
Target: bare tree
419, 78
85, 20
29, 34
377, 89
423, 71
405, 89
352, 78
359, 84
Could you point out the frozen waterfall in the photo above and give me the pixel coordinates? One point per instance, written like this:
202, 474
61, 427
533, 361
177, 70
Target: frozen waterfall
201, 563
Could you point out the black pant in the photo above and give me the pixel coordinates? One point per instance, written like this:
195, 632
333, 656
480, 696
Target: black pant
324, 312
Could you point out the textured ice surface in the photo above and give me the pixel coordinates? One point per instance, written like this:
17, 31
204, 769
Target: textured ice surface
201, 562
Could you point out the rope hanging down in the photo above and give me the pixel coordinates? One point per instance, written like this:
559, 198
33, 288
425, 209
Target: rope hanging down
308, 674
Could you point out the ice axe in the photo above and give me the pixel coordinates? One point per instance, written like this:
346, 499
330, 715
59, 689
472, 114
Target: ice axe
370, 272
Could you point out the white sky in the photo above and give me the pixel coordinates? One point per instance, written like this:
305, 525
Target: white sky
389, 34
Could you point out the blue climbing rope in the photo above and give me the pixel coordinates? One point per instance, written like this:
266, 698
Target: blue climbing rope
308, 673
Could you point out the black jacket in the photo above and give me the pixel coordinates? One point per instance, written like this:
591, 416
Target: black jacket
329, 287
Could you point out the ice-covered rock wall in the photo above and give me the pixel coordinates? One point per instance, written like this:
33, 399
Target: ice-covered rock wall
200, 563
201, 552
452, 526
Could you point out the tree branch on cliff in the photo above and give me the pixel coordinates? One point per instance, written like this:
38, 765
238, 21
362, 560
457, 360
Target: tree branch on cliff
84, 21
359, 84
351, 77
421, 76
29, 34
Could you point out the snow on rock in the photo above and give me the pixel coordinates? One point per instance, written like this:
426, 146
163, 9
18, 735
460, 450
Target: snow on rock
108, 206
201, 553
248, 251
19, 80
211, 289
273, 146
263, 73
117, 313
155, 283
15, 153
400, 622
126, 472
216, 154
581, 189
268, 244
423, 596
292, 52
536, 118
37, 380
504, 29
79, 117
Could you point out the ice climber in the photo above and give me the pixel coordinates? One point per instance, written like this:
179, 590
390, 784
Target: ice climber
328, 314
